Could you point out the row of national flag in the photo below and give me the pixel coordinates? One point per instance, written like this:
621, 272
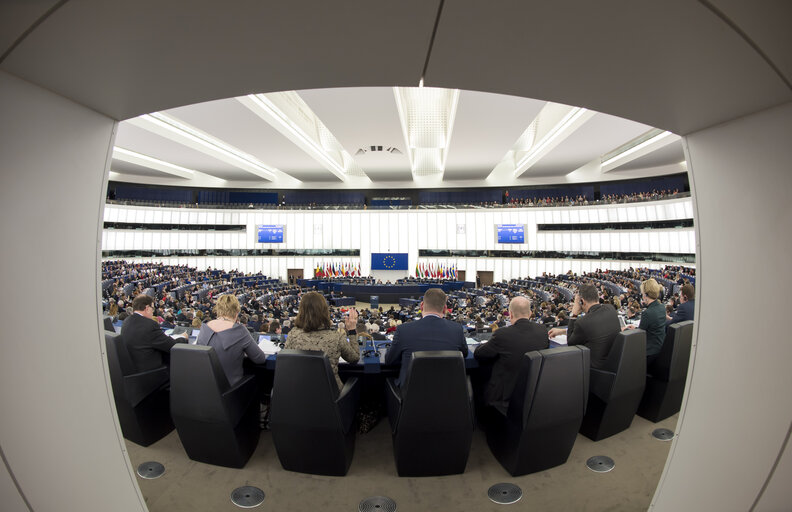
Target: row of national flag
436, 271
337, 269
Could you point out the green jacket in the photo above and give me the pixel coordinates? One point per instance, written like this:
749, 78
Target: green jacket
653, 321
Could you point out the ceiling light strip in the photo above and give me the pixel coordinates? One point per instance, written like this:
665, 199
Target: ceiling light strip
135, 158
276, 114
126, 155
633, 147
557, 132
184, 130
427, 118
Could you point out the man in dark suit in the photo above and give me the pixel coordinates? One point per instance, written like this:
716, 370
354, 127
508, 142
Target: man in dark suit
505, 350
431, 332
143, 337
595, 329
687, 304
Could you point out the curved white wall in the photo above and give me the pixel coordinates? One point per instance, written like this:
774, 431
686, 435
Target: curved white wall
407, 231
58, 427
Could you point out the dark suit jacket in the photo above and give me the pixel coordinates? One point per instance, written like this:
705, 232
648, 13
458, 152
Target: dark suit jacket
683, 312
506, 348
654, 323
428, 333
146, 342
596, 330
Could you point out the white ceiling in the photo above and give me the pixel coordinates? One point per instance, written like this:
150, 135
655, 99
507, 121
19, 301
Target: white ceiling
485, 128
690, 65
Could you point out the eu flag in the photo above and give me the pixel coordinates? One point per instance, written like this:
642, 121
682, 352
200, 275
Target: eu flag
388, 261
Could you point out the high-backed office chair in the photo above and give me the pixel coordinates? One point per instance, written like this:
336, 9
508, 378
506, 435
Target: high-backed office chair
665, 378
431, 416
141, 398
615, 391
545, 411
217, 423
108, 324
312, 423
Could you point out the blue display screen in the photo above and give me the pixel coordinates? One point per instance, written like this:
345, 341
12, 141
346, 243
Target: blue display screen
268, 234
511, 233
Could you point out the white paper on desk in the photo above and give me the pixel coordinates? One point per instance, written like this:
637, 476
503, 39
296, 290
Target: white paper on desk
561, 339
268, 347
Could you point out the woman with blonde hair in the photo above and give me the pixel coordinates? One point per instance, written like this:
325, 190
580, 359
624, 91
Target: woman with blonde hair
230, 339
313, 330
653, 318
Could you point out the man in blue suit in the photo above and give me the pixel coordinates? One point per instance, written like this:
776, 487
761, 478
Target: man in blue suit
687, 304
431, 332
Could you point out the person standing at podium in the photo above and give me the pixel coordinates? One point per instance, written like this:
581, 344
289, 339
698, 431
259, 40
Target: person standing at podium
431, 332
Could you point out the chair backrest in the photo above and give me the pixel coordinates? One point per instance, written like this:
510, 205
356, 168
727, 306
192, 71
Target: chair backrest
552, 385
304, 388
627, 359
197, 382
108, 323
117, 349
672, 361
114, 346
435, 392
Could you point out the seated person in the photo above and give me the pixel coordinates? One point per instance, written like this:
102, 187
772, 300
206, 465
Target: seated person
596, 325
505, 350
687, 301
431, 332
313, 330
376, 334
149, 347
653, 318
362, 332
231, 340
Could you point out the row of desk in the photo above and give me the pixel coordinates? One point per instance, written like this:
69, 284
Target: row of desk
387, 293
372, 354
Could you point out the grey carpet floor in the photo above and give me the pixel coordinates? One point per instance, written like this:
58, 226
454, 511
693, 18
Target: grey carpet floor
194, 486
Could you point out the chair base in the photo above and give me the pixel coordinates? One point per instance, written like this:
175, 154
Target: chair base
605, 420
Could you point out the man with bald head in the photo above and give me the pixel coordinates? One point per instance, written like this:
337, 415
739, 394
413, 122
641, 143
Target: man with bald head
505, 350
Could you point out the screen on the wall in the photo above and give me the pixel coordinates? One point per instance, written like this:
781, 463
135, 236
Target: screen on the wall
269, 234
511, 233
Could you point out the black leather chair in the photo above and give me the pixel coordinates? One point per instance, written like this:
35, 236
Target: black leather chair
665, 378
108, 323
141, 398
431, 416
545, 411
616, 390
312, 422
217, 423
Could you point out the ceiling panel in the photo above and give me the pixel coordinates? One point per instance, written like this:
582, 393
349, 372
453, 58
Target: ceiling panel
138, 170
599, 135
360, 118
667, 155
17, 17
239, 127
683, 70
142, 141
124, 59
767, 25
486, 127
